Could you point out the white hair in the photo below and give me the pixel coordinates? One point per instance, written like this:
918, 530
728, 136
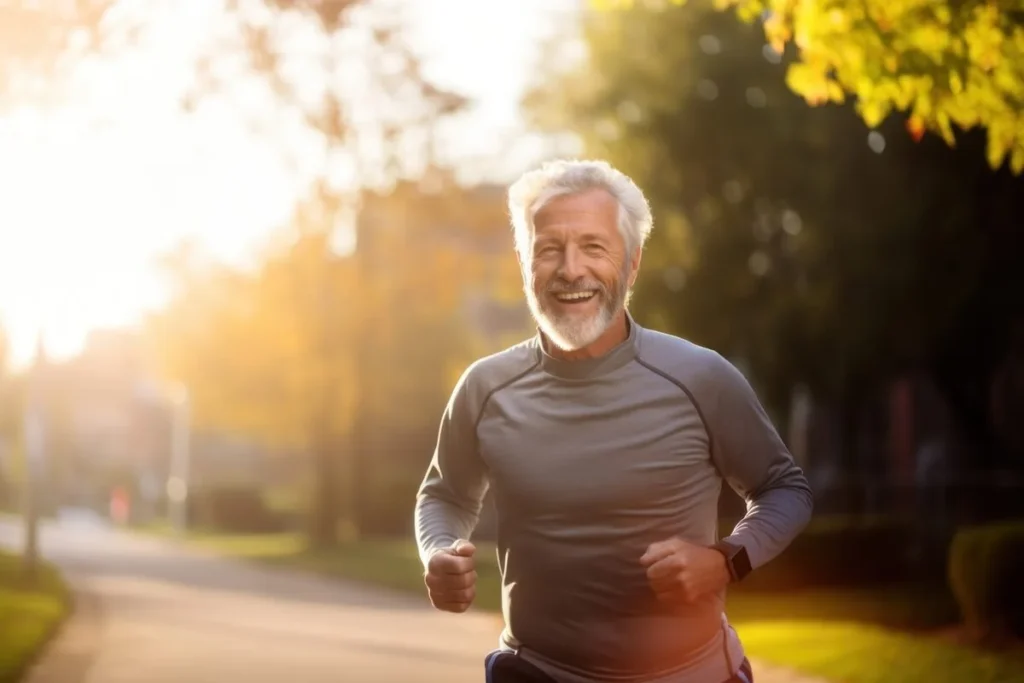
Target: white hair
536, 188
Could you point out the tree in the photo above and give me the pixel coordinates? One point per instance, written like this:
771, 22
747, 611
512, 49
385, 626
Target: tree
358, 92
267, 354
356, 86
327, 355
784, 236
945, 63
10, 404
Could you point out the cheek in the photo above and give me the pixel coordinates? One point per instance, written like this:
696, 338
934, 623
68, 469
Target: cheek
612, 270
540, 276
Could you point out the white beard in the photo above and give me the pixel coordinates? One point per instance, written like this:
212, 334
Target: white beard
574, 332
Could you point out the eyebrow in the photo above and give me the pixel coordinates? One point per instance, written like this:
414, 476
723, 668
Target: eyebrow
585, 237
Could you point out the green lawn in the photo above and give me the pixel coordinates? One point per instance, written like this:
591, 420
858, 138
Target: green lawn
847, 636
29, 614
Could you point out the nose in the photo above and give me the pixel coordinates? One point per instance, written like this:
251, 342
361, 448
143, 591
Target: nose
572, 266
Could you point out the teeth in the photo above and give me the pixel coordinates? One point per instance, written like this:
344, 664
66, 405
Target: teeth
575, 296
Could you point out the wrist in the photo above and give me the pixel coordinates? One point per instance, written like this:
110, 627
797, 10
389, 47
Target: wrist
722, 567
735, 559
429, 554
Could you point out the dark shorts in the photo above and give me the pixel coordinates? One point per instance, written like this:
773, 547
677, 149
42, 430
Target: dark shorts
502, 666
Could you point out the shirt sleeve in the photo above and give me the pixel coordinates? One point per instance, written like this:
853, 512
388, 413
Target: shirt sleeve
754, 461
451, 494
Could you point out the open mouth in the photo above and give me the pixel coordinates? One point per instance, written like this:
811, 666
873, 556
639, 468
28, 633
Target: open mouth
575, 297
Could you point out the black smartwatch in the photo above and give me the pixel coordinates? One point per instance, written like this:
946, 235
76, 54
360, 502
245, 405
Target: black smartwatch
736, 559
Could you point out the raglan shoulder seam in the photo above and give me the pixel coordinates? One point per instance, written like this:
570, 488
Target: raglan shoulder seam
682, 386
491, 374
503, 385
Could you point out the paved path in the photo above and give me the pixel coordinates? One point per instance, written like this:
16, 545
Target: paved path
149, 611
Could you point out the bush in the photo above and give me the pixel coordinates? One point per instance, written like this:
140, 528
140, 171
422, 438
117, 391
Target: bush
986, 567
841, 552
234, 509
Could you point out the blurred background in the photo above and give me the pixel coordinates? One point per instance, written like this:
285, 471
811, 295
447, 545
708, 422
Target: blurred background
248, 246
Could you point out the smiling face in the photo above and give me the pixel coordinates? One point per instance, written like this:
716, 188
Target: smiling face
580, 271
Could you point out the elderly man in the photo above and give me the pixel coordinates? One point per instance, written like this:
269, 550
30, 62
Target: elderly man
605, 445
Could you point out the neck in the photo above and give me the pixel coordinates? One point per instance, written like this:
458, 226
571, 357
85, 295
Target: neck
617, 332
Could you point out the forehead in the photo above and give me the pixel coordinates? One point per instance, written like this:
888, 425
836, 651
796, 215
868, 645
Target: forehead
593, 210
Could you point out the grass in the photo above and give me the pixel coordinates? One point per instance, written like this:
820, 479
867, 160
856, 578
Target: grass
856, 652
30, 612
845, 636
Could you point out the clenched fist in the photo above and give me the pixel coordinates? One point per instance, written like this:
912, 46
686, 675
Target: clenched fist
451, 577
678, 571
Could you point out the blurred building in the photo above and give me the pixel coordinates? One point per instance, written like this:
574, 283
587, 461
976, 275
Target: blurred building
109, 426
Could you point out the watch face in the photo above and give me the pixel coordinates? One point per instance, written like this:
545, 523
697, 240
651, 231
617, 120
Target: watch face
741, 563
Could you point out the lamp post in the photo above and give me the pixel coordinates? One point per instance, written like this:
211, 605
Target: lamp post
178, 471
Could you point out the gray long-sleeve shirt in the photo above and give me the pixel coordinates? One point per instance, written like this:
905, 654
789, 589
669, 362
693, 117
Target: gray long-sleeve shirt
591, 461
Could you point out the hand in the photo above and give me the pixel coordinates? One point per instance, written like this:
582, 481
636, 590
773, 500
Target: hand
683, 572
451, 577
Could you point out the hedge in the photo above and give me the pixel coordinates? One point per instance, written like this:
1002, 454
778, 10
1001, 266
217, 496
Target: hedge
239, 509
986, 571
842, 551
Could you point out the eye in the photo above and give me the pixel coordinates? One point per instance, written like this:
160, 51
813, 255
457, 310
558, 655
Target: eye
594, 246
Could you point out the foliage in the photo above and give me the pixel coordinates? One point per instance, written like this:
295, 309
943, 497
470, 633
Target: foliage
343, 358
785, 237
251, 345
356, 87
946, 63
985, 566
234, 509
841, 552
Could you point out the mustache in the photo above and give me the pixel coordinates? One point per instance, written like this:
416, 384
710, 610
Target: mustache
563, 287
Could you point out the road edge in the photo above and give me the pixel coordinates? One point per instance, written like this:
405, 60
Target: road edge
70, 652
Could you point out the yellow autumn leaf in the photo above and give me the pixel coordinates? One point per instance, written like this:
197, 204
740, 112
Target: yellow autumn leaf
1017, 159
945, 128
808, 81
956, 83
997, 148
873, 111
952, 63
835, 92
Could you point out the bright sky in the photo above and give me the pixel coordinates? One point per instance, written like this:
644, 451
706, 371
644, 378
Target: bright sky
86, 209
